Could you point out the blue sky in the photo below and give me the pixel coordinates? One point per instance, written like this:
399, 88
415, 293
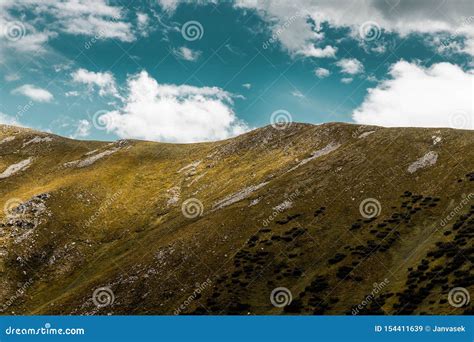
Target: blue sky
180, 72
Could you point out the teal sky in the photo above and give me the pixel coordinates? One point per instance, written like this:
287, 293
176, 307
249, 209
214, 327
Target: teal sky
41, 88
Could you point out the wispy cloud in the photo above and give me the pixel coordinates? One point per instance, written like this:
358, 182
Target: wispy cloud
187, 54
33, 92
297, 93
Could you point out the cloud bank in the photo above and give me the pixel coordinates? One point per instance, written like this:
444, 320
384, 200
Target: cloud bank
400, 16
414, 96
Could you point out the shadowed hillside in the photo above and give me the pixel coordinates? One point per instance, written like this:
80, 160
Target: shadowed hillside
328, 219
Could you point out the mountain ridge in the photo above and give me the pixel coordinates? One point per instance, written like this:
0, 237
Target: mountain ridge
151, 221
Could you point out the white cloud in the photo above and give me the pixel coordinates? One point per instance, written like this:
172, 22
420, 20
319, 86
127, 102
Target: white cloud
83, 129
33, 92
169, 5
372, 78
321, 72
247, 85
62, 67
78, 17
19, 36
439, 96
380, 49
12, 77
297, 93
346, 80
8, 120
32, 42
350, 66
105, 81
142, 23
175, 113
99, 27
312, 51
187, 54
290, 26
400, 16
71, 93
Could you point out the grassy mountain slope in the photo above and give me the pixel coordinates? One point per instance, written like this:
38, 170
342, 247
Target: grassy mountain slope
280, 208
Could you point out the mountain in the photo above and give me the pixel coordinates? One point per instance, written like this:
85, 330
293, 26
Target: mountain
305, 219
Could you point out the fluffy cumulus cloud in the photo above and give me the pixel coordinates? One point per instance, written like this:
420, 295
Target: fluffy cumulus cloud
347, 80
322, 72
33, 92
104, 81
401, 16
312, 51
350, 66
414, 96
168, 5
173, 113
